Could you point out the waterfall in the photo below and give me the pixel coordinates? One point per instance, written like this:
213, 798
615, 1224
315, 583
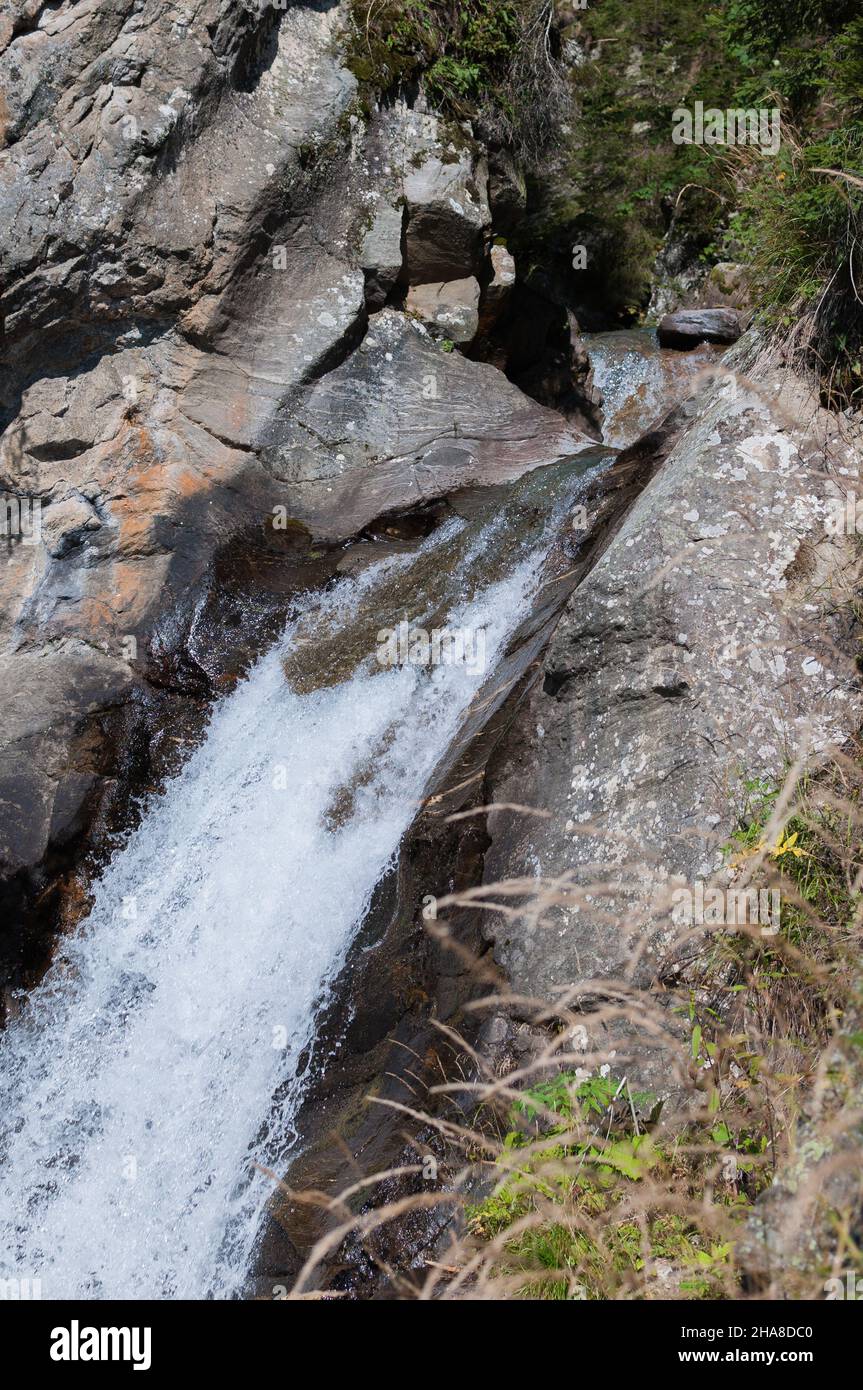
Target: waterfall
162, 1055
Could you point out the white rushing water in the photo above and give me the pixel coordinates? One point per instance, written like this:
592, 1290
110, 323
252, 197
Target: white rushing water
137, 1083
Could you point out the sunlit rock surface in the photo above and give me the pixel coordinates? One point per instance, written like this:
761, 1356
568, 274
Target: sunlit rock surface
198, 216
712, 642
639, 381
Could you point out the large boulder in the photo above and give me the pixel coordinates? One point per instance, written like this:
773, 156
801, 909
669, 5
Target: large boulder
449, 219
687, 327
703, 650
400, 422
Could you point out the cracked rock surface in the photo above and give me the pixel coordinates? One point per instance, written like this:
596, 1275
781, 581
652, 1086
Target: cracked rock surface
199, 223
712, 642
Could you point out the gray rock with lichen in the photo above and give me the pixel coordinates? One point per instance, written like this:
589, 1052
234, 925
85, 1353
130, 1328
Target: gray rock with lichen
196, 223
710, 643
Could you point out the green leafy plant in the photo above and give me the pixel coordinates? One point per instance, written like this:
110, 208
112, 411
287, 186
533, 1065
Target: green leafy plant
489, 60
568, 1095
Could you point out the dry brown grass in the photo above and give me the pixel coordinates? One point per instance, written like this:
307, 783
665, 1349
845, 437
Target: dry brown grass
745, 1183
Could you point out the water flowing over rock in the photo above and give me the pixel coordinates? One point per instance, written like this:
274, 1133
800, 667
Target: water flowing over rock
322, 600
193, 239
172, 1033
202, 234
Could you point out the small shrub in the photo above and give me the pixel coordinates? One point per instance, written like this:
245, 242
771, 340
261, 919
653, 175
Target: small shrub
494, 62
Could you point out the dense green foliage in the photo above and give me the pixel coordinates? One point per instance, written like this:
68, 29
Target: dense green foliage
487, 59
796, 226
565, 1198
462, 50
606, 173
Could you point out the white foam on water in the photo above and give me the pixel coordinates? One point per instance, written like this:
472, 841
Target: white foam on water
137, 1085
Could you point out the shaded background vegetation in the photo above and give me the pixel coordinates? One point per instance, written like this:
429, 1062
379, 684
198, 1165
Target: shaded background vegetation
586, 97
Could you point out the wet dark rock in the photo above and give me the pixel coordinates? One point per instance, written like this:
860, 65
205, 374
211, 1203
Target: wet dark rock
687, 327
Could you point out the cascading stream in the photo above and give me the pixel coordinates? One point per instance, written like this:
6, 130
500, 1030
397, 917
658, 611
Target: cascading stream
137, 1084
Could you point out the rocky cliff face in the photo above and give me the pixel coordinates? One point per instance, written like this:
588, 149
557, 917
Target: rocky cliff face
712, 644
202, 223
